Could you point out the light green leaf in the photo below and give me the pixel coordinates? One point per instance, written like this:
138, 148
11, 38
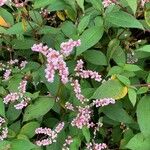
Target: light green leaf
111, 89
89, 38
132, 96
21, 144
2, 108
124, 79
41, 3
29, 129
41, 106
117, 113
81, 4
95, 57
133, 5
143, 113
5, 145
83, 23
139, 142
145, 48
131, 67
86, 133
123, 19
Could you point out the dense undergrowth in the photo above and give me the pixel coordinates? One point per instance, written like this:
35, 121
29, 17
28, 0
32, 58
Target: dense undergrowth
74, 74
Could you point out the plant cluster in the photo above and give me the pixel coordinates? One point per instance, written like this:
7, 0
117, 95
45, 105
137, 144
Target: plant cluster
75, 74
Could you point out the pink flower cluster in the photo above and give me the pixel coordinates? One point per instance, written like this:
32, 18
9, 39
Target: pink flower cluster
2, 2
96, 146
3, 130
22, 86
67, 47
56, 62
106, 3
7, 74
77, 90
68, 141
86, 73
55, 59
143, 2
103, 102
52, 134
16, 96
83, 118
12, 97
69, 106
23, 64
22, 104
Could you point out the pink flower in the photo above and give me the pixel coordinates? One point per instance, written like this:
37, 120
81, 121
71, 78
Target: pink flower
23, 64
6, 75
55, 62
86, 73
103, 102
12, 97
77, 90
3, 130
68, 141
83, 118
67, 47
52, 135
143, 2
4, 133
96, 146
69, 106
21, 105
106, 3
2, 2
22, 86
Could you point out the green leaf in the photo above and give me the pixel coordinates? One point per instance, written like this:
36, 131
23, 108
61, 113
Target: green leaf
41, 3
115, 70
18, 28
75, 144
86, 133
29, 129
83, 23
132, 96
81, 4
2, 108
97, 4
124, 79
36, 16
5, 145
23, 44
69, 29
133, 5
12, 114
131, 67
139, 142
147, 14
111, 89
41, 106
21, 144
143, 113
95, 57
145, 48
117, 113
89, 38
7, 16
142, 90
123, 19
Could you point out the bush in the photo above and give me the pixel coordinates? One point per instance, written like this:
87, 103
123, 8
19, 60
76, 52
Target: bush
74, 74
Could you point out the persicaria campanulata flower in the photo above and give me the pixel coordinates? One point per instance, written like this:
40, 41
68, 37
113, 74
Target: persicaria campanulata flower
2, 2
3, 129
103, 102
86, 73
51, 134
83, 118
96, 146
68, 141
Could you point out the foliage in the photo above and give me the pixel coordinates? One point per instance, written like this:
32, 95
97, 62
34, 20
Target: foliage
75, 73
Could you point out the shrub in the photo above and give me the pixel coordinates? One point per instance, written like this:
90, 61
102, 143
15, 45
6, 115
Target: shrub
74, 74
